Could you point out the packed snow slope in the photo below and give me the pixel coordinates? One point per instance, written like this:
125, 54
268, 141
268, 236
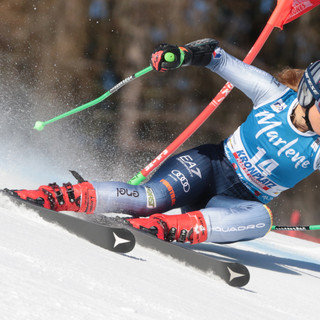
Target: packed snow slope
48, 273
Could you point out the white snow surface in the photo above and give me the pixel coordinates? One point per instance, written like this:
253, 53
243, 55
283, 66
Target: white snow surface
48, 273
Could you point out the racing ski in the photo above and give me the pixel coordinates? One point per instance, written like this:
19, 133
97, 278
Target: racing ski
116, 235
115, 238
233, 273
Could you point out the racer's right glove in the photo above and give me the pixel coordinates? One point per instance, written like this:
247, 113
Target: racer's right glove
197, 53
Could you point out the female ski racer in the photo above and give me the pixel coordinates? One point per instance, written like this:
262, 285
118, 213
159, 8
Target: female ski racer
222, 189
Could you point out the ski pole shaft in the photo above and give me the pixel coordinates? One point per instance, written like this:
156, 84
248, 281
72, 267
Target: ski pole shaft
39, 125
296, 228
213, 105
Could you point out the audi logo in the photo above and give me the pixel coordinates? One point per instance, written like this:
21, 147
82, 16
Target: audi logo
183, 180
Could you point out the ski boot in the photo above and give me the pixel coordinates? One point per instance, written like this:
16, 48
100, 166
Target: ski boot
185, 227
80, 197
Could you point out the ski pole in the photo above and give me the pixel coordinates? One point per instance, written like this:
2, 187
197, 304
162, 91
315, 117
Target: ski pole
277, 19
39, 125
296, 228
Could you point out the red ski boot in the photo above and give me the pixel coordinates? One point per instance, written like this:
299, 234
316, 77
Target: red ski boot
185, 227
80, 197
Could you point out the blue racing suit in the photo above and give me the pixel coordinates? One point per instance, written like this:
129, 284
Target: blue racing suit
229, 182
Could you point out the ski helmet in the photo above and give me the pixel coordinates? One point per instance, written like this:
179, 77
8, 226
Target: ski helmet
309, 87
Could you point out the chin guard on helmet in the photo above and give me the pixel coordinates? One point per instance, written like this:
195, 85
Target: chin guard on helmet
309, 87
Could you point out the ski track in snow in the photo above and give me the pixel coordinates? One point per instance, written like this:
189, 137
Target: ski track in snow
48, 273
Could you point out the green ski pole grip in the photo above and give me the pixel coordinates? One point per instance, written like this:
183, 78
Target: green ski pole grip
169, 57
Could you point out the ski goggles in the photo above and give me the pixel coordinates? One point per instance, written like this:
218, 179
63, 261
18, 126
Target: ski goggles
309, 87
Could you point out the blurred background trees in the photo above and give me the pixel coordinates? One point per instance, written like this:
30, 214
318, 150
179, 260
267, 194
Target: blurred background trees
65, 53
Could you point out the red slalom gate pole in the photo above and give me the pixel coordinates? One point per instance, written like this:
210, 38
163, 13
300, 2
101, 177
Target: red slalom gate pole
277, 19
